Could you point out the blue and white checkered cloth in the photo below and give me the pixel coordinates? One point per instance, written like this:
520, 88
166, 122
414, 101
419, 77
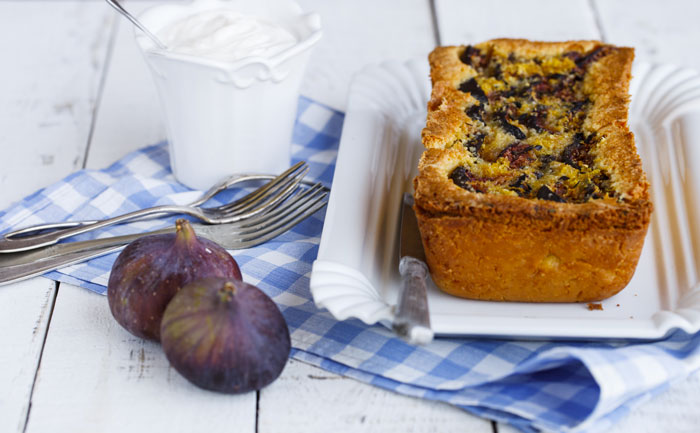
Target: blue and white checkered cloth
550, 386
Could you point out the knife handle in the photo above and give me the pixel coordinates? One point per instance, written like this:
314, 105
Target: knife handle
412, 320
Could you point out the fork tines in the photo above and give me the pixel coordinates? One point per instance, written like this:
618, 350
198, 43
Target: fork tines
283, 183
263, 199
262, 228
300, 200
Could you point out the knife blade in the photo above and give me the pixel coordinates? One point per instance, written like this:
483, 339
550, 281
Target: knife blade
412, 318
13, 273
26, 264
22, 265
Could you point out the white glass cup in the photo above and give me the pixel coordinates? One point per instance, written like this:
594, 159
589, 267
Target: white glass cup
229, 117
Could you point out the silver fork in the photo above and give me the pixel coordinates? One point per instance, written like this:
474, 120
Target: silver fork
245, 234
257, 202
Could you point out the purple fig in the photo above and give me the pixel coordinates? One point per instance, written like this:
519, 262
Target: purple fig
225, 335
151, 269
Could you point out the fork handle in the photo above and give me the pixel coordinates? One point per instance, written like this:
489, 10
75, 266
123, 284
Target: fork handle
24, 243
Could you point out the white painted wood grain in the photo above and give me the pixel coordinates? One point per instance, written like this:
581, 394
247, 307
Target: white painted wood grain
661, 32
129, 115
53, 54
129, 98
462, 22
96, 377
25, 309
360, 32
307, 399
49, 81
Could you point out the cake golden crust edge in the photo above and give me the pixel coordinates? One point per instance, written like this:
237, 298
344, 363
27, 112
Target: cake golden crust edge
487, 260
508, 248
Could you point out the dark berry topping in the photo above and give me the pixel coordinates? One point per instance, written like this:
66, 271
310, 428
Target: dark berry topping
471, 86
510, 128
475, 112
545, 193
474, 144
461, 177
517, 154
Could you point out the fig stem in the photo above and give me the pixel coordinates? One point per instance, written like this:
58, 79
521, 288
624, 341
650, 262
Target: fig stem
228, 291
184, 231
230, 287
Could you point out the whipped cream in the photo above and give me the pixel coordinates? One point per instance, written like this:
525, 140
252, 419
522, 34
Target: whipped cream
225, 35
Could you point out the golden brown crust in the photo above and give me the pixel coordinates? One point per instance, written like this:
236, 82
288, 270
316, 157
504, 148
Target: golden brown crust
488, 260
501, 247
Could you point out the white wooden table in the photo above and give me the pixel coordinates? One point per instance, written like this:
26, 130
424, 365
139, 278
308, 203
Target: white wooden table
74, 93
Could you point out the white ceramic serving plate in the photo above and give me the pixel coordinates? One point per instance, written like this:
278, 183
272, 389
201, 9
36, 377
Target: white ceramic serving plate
356, 271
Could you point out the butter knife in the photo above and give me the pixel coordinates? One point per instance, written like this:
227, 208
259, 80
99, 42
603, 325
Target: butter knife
22, 265
412, 318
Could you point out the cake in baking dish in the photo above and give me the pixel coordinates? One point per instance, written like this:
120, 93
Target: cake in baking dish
531, 188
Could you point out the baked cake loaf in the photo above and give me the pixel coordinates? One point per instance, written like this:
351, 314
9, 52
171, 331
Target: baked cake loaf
531, 188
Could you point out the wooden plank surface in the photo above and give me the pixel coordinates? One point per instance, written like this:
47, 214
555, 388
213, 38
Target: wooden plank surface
358, 33
322, 400
25, 309
119, 382
661, 32
355, 34
129, 115
463, 22
351, 40
96, 377
129, 97
49, 86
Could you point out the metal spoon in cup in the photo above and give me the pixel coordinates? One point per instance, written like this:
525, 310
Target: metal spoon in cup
137, 23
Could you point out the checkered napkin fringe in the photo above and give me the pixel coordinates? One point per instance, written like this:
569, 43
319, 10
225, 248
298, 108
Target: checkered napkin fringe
549, 386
